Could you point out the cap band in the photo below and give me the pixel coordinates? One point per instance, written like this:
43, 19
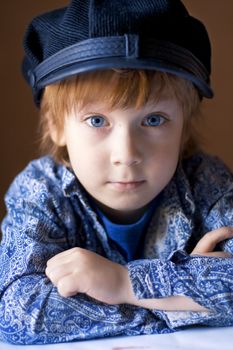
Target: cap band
148, 54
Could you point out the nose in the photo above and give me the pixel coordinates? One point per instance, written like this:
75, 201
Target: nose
125, 149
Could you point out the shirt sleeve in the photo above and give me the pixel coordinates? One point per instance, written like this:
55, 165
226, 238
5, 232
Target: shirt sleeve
207, 280
31, 310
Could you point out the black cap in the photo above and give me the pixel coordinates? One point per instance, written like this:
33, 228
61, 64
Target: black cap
101, 34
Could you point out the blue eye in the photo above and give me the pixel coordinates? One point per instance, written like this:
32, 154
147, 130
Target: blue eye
96, 121
154, 120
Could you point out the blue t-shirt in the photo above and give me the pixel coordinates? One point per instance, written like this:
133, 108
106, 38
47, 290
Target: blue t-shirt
128, 237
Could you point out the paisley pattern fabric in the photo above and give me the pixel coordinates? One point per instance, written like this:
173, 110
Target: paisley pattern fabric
49, 212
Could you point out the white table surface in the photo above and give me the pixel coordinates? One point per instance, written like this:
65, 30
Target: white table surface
192, 339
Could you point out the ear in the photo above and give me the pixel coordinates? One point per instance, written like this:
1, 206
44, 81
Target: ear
57, 136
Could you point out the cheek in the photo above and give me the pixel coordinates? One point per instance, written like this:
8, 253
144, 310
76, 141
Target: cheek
86, 159
174, 139
166, 154
169, 143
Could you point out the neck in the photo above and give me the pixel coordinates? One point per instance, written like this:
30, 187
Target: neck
121, 217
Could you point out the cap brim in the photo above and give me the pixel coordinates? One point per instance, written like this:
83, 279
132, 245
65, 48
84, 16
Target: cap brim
124, 63
125, 52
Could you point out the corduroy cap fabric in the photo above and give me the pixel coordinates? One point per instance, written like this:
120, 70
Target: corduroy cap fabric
102, 34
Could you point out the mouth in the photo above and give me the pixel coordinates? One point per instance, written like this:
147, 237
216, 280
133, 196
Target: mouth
126, 185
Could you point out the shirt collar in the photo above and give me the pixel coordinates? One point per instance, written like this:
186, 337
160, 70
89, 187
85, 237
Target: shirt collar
70, 183
173, 223
182, 192
72, 187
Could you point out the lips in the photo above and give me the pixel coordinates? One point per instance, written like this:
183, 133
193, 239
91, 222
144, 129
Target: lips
126, 185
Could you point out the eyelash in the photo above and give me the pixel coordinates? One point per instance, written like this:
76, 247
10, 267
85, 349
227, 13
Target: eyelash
161, 121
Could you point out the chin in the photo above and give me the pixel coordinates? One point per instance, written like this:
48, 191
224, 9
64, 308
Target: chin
127, 207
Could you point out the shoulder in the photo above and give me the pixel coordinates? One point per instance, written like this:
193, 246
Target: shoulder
37, 197
208, 175
41, 178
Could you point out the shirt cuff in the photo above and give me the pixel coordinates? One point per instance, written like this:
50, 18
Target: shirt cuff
151, 278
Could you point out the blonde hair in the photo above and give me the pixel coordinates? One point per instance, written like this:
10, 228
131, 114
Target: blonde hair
119, 89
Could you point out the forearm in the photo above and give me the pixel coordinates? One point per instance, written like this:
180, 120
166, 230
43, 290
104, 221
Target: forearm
37, 314
173, 303
184, 283
206, 281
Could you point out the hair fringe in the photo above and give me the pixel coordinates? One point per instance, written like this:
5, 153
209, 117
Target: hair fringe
124, 88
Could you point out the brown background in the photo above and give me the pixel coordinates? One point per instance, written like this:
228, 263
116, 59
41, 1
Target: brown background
19, 116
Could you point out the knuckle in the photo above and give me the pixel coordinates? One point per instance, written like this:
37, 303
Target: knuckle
75, 250
62, 289
79, 252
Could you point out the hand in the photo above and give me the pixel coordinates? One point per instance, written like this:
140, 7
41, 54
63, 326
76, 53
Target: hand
79, 270
208, 242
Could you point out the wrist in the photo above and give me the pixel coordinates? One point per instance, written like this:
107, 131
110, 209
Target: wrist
128, 296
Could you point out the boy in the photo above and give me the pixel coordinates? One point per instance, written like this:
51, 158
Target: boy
114, 233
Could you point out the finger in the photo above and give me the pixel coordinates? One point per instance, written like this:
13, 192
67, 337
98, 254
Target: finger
208, 242
67, 287
57, 273
63, 256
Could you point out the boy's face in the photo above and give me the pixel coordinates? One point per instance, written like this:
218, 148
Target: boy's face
124, 157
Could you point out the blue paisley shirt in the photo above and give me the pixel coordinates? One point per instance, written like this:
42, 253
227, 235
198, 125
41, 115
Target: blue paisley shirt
49, 212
